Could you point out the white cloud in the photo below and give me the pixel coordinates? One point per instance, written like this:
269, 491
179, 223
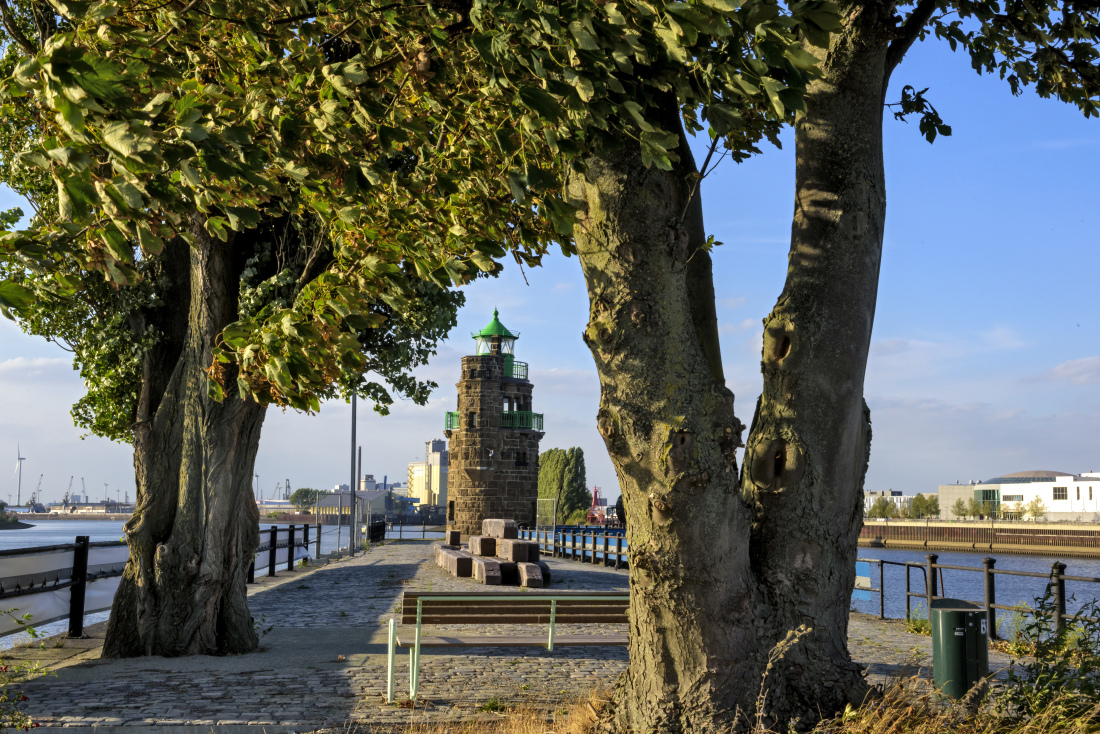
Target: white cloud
39, 369
1003, 337
731, 302
1083, 371
737, 328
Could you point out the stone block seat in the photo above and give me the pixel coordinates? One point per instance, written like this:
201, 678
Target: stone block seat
496, 610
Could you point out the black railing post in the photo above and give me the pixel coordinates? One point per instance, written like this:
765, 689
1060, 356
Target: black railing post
252, 571
271, 550
881, 594
908, 590
77, 591
930, 582
990, 595
290, 551
318, 537
1058, 586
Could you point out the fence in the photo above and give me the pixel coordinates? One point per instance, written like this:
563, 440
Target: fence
55, 582
606, 546
1009, 537
933, 583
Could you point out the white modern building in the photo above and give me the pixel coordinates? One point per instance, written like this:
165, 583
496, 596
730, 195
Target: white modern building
1066, 496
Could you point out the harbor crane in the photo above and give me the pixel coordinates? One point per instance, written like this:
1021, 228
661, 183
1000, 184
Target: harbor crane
68, 493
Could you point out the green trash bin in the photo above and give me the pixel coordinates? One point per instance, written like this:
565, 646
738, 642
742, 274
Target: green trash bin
960, 646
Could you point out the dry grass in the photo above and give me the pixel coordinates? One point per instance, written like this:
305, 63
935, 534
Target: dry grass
904, 711
571, 716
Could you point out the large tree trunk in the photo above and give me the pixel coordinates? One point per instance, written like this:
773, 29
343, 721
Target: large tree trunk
809, 445
196, 525
670, 428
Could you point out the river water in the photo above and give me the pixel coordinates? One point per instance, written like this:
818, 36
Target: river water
969, 585
58, 532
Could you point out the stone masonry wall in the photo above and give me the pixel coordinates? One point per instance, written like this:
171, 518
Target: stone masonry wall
493, 470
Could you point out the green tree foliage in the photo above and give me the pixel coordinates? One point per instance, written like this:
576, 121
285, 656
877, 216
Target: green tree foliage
1036, 509
973, 507
421, 138
932, 506
918, 508
304, 497
960, 508
880, 508
562, 478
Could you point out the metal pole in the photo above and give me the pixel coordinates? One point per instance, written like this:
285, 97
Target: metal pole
990, 595
881, 593
271, 550
1059, 587
354, 480
79, 587
930, 582
339, 521
290, 551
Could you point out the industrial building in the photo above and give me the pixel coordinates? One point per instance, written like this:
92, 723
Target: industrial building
1066, 496
428, 478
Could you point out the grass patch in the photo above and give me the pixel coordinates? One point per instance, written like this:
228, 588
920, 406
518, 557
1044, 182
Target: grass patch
917, 623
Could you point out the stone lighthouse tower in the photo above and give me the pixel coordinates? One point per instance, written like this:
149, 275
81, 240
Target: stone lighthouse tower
494, 436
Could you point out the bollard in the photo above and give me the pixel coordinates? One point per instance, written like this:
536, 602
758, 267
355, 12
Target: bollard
990, 587
930, 582
80, 585
305, 537
1058, 587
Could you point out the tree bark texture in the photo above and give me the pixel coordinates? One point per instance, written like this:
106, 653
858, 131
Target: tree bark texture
809, 444
669, 425
196, 526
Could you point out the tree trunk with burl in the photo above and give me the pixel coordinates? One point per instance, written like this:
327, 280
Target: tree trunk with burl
740, 585
196, 526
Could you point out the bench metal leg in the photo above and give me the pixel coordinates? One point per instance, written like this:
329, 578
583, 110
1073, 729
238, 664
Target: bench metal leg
414, 674
393, 650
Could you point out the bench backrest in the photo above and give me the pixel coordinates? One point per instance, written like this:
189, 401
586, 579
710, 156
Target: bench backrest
594, 607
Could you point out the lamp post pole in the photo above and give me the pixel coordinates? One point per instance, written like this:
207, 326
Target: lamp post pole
351, 529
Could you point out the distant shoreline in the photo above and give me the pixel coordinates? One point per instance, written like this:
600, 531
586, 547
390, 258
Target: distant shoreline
40, 516
14, 524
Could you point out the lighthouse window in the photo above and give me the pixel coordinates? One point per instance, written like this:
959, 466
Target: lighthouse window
471, 419
1061, 493
1078, 493
521, 458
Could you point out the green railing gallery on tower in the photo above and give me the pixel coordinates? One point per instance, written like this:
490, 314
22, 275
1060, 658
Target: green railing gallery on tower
508, 419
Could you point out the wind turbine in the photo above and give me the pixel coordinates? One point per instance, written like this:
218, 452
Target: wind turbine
19, 469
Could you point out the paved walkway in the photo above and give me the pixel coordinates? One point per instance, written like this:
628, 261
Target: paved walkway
313, 618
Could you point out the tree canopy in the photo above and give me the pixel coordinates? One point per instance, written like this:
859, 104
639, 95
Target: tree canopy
422, 139
562, 478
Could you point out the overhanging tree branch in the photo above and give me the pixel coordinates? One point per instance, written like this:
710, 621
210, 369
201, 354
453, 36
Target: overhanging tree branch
13, 29
907, 35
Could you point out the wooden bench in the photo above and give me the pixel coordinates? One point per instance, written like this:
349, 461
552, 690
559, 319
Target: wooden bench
563, 607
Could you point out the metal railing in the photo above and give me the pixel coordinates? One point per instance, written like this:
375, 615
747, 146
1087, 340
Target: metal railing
515, 370
75, 578
933, 584
451, 422
597, 547
521, 419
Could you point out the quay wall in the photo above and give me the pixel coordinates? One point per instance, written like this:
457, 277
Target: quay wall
111, 516
1080, 540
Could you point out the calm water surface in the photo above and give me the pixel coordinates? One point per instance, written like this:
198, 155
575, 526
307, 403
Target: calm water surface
968, 585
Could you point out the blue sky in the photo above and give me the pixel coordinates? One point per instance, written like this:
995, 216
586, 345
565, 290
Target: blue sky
985, 356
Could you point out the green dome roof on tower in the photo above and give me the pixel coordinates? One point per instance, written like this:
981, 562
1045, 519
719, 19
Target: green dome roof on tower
495, 328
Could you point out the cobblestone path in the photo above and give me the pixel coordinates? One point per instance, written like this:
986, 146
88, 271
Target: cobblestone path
341, 610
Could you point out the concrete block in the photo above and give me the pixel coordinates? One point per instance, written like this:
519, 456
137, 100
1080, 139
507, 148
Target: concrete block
545, 568
512, 550
458, 563
486, 570
532, 552
454, 537
530, 575
482, 546
509, 574
500, 528
439, 548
